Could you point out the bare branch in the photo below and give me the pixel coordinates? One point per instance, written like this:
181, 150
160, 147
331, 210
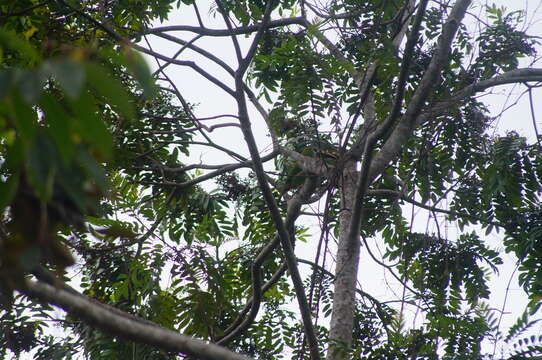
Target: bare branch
187, 63
187, 45
196, 128
524, 75
253, 99
224, 32
224, 169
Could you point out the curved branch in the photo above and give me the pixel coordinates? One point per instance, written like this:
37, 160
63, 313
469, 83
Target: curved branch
294, 207
116, 322
195, 128
231, 153
161, 68
186, 63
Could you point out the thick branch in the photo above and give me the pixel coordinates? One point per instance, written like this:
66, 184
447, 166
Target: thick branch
403, 130
364, 177
125, 325
306, 163
509, 77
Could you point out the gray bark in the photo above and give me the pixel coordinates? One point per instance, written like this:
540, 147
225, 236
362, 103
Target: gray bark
346, 271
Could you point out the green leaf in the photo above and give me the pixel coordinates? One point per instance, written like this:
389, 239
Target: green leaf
59, 125
69, 74
137, 65
10, 40
91, 127
24, 118
8, 190
93, 169
6, 83
107, 86
31, 84
41, 166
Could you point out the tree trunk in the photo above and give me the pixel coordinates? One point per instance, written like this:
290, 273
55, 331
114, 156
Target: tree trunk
346, 270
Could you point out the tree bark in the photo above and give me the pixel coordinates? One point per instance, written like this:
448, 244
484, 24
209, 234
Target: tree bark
346, 270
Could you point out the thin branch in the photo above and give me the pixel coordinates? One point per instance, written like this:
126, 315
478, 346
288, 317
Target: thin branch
248, 305
165, 118
98, 24
294, 207
380, 310
176, 55
231, 153
224, 32
533, 117
187, 63
224, 169
390, 269
456, 214
196, 10
196, 128
334, 50
503, 308
412, 41
282, 231
189, 112
253, 99
366, 102
333, 16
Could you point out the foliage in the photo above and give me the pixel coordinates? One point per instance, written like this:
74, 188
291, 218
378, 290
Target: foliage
97, 193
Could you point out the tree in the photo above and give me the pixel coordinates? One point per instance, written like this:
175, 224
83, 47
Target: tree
369, 106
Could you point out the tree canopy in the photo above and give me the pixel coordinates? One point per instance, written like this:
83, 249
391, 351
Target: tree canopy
372, 112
